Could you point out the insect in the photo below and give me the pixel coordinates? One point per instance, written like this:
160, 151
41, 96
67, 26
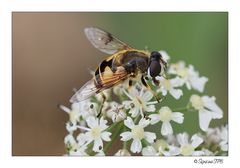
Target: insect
124, 62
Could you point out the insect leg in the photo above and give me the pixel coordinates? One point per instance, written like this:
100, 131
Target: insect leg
130, 83
156, 82
150, 89
103, 101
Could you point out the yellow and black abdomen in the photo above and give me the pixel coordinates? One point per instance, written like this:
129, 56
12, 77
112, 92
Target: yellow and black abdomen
131, 60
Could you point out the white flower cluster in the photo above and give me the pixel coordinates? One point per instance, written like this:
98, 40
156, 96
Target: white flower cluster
213, 142
135, 112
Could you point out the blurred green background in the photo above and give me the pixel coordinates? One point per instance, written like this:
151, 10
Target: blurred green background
51, 55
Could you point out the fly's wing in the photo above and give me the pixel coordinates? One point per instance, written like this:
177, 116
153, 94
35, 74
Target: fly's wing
103, 81
86, 91
104, 41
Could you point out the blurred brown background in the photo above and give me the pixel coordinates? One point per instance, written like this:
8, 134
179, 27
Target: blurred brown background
48, 52
51, 56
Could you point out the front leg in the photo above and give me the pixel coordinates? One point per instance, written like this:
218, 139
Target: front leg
150, 89
155, 81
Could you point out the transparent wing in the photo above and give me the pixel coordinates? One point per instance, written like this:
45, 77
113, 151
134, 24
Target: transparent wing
104, 41
107, 80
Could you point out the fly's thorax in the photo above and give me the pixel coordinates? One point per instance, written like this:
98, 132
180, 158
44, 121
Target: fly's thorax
134, 60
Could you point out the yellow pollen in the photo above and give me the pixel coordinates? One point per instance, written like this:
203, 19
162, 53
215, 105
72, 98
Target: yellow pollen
96, 132
165, 114
137, 132
166, 84
160, 143
187, 150
197, 102
183, 72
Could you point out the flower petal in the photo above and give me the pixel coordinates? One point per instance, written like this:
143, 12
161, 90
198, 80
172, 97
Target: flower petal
173, 151
143, 122
182, 138
92, 122
198, 153
149, 151
106, 136
176, 93
166, 128
164, 55
136, 146
98, 144
103, 123
188, 85
211, 104
81, 139
198, 83
129, 122
134, 111
64, 108
155, 118
147, 96
150, 108
149, 136
88, 137
126, 136
176, 82
69, 139
205, 117
177, 117
196, 140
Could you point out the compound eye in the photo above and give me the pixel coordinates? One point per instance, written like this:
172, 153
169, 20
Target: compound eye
154, 68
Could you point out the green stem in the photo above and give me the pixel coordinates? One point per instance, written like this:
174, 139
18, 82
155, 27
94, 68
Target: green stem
109, 129
180, 109
145, 143
125, 145
114, 136
188, 107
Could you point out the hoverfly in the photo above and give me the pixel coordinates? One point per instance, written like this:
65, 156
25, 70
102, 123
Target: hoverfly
124, 63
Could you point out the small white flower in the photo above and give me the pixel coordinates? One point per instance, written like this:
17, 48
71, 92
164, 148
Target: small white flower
80, 151
74, 113
140, 101
224, 138
116, 112
70, 127
212, 136
96, 133
137, 133
82, 109
70, 143
188, 75
207, 152
218, 136
69, 139
169, 85
160, 148
166, 115
122, 152
164, 55
149, 151
207, 109
87, 108
188, 149
119, 89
